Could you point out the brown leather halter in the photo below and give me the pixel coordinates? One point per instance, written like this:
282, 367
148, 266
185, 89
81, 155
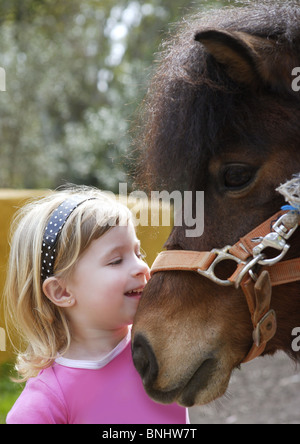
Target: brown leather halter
248, 253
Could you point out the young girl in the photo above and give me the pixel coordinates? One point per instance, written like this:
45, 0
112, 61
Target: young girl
74, 283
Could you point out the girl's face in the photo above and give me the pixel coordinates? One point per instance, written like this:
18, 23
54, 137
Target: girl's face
108, 281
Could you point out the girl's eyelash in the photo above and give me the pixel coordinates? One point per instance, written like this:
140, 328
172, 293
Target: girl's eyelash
116, 262
139, 254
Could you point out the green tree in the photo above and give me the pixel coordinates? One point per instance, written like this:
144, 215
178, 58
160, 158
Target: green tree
75, 73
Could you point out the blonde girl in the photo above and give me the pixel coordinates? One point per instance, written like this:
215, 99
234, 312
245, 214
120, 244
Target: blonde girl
75, 277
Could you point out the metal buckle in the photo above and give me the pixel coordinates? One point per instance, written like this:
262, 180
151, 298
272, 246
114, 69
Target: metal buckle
276, 240
248, 269
271, 240
280, 228
221, 255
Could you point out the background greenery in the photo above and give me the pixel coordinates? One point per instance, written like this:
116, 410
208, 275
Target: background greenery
75, 73
9, 391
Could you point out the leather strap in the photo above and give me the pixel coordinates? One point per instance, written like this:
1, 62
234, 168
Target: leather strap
243, 249
258, 297
182, 260
281, 273
285, 272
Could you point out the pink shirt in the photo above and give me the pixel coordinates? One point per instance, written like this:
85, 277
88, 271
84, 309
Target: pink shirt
87, 392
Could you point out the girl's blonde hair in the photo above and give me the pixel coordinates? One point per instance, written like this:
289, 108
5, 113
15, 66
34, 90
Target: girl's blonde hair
41, 326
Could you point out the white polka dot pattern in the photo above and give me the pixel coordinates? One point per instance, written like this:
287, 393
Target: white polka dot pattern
52, 231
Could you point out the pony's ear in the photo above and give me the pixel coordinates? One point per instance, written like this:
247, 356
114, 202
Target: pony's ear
248, 59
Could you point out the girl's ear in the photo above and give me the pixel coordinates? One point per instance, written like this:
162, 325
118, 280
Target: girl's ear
55, 290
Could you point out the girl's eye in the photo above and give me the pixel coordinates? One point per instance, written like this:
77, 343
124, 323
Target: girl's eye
116, 262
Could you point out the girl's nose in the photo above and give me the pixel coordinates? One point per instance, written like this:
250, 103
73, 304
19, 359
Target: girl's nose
141, 268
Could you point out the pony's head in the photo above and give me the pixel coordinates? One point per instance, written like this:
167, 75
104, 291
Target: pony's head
221, 116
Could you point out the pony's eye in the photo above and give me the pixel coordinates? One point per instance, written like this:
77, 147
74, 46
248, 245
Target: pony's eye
237, 177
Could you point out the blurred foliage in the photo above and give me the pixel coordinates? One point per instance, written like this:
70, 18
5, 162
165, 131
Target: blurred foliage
75, 73
9, 391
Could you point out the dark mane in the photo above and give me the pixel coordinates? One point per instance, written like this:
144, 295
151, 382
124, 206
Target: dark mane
193, 107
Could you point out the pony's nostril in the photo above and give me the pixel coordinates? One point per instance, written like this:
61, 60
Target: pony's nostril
144, 359
140, 360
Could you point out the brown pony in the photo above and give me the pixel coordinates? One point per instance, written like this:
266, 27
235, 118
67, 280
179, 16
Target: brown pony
221, 116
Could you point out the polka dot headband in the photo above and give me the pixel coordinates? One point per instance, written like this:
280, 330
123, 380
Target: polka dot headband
52, 232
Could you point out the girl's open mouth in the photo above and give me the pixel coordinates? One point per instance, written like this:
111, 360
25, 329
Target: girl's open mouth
135, 293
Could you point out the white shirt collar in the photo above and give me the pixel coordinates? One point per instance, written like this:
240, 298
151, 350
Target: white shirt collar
96, 365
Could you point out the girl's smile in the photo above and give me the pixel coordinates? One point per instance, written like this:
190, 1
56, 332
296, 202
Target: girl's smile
136, 293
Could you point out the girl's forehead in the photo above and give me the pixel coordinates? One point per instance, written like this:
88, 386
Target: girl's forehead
116, 237
121, 232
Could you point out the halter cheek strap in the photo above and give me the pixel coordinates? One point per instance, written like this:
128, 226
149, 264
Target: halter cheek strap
247, 253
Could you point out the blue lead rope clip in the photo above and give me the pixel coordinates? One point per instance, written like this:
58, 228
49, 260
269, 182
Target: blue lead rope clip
290, 208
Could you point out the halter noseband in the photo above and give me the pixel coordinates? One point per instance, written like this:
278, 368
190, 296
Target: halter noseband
248, 253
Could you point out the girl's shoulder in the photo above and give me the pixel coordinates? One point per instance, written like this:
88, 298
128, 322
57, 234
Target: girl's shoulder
41, 402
